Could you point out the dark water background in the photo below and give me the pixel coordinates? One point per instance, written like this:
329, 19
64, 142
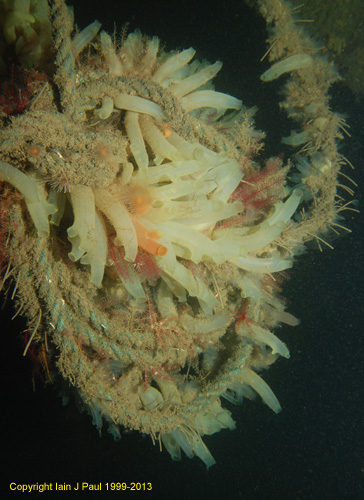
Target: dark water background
312, 450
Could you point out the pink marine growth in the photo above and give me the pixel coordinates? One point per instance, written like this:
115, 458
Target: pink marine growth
17, 93
145, 266
260, 190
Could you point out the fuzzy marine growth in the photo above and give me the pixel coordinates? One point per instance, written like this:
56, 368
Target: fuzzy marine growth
143, 239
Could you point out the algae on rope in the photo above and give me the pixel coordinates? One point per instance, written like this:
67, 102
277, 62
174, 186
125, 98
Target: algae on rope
143, 236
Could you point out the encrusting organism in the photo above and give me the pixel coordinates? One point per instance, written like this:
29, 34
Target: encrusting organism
146, 242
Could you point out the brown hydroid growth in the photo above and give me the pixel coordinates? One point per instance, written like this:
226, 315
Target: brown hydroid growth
145, 242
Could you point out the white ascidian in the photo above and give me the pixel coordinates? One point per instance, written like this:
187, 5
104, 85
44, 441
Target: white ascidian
146, 242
